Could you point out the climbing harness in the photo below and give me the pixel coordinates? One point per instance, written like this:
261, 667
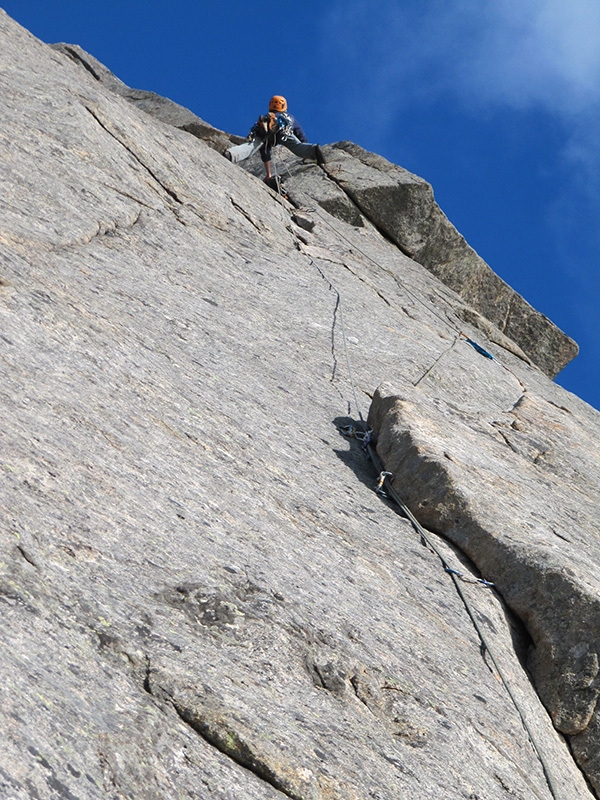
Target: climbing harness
271, 123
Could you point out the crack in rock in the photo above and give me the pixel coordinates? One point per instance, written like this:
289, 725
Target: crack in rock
259, 227
506, 541
220, 725
105, 126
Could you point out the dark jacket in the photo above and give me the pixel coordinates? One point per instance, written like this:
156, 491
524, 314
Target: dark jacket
297, 129
289, 126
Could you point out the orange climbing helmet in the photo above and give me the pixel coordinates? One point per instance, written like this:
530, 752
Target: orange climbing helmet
277, 103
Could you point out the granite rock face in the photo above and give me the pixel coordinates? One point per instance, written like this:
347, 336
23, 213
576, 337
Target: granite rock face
402, 206
202, 595
358, 186
518, 490
154, 104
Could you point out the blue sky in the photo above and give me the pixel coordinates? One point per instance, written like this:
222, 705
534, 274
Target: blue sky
495, 102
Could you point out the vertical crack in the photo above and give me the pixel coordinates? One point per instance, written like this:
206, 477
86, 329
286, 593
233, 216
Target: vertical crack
80, 60
220, 727
152, 174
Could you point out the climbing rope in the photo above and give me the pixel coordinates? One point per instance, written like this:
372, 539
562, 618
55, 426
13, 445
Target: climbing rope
338, 308
384, 488
416, 298
325, 218
437, 361
353, 246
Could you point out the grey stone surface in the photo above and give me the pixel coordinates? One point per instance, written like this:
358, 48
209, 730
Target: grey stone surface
401, 205
518, 490
358, 186
162, 108
202, 595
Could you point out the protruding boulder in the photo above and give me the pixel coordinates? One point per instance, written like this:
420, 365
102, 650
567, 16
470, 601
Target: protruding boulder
518, 491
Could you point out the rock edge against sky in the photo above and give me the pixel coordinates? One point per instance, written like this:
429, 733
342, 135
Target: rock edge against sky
202, 594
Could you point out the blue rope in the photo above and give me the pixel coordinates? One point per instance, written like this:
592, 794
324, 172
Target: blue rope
479, 348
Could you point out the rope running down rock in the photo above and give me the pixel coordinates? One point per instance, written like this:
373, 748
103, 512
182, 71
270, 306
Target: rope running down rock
385, 488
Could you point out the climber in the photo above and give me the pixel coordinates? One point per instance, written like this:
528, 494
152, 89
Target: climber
276, 127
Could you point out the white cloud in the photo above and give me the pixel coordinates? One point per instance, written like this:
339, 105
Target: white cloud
537, 52
516, 53
389, 57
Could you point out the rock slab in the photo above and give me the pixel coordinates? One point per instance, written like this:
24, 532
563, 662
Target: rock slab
202, 595
357, 186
